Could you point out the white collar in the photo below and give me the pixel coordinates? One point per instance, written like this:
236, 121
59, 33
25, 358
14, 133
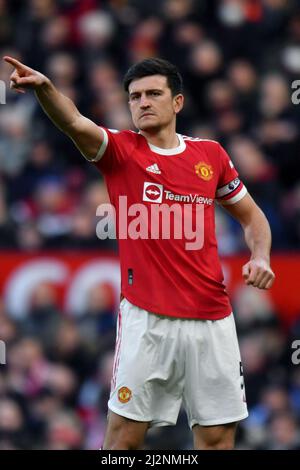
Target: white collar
172, 151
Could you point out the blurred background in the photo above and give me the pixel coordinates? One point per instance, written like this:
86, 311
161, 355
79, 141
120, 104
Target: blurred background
59, 283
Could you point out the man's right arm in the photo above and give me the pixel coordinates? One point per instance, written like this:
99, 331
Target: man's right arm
86, 135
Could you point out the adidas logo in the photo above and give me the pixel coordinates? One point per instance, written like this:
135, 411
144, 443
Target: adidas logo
154, 169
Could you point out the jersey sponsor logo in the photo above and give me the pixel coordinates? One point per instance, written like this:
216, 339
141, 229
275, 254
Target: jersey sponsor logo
204, 171
124, 394
188, 198
154, 169
153, 192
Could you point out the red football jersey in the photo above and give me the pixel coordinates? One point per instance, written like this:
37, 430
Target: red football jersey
162, 271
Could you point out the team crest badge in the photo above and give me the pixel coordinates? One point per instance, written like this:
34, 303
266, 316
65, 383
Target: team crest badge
204, 171
124, 394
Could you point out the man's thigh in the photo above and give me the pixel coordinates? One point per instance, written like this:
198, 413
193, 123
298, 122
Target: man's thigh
148, 378
214, 391
221, 437
123, 433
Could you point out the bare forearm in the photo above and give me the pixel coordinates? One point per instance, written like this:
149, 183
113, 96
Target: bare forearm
86, 135
258, 236
257, 272
60, 109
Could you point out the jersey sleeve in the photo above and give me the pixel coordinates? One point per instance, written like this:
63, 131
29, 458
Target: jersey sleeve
230, 188
114, 150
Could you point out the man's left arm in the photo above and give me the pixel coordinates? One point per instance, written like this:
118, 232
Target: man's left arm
257, 271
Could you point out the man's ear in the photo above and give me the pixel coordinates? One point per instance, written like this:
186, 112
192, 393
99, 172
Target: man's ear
178, 102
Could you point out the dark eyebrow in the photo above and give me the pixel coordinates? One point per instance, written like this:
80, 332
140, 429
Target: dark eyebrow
157, 90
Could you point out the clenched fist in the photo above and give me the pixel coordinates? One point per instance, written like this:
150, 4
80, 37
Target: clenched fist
258, 273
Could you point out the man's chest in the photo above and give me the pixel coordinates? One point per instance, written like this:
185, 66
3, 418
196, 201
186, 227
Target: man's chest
184, 178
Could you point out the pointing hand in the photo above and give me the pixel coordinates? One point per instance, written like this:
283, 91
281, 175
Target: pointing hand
24, 77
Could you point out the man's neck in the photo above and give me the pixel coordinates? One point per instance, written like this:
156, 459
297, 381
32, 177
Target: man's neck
165, 138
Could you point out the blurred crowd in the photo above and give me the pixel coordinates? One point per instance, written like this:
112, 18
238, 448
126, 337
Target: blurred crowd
238, 59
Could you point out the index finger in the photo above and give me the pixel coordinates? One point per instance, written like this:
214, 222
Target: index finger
16, 63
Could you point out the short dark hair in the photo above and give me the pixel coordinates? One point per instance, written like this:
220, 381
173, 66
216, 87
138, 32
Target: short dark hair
155, 66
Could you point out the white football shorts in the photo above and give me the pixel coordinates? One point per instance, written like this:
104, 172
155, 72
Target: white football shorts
162, 362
